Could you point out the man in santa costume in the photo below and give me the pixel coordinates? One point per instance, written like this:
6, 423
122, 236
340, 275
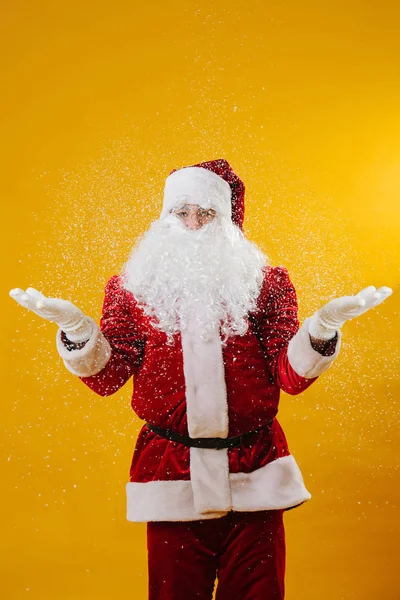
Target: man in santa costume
210, 333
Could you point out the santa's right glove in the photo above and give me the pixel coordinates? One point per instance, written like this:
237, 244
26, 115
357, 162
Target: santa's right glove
77, 327
328, 319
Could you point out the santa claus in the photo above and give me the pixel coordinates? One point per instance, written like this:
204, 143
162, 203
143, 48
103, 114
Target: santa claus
209, 331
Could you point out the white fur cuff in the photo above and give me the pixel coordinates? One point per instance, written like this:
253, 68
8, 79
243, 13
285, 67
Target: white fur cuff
302, 357
90, 359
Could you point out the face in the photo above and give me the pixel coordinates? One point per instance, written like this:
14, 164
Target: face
194, 216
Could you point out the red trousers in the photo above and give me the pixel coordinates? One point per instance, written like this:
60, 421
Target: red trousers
245, 551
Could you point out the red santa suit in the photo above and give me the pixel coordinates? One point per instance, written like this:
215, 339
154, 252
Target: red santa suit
206, 389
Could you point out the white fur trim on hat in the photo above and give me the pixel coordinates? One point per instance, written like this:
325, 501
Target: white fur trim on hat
196, 185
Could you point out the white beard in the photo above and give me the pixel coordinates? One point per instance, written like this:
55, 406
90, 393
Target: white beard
205, 279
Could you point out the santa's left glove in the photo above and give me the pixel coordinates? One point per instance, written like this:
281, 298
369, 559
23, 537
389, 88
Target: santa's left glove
328, 319
77, 327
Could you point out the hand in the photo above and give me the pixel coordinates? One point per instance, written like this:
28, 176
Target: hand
68, 317
328, 319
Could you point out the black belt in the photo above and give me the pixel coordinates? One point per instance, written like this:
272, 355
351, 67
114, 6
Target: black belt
212, 443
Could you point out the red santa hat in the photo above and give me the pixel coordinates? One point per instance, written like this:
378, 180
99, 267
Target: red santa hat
211, 184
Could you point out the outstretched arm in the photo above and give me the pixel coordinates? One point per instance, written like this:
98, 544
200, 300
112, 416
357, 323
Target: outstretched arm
118, 333
287, 345
296, 355
103, 357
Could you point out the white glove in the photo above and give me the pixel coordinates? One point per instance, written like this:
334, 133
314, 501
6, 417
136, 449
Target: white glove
328, 319
68, 317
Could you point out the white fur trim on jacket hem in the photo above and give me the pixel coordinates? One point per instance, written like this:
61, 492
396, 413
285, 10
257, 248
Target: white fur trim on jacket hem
90, 359
302, 357
277, 485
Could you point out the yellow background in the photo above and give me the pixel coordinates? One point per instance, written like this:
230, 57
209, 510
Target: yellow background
99, 102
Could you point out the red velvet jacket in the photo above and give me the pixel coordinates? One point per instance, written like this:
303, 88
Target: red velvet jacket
175, 388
